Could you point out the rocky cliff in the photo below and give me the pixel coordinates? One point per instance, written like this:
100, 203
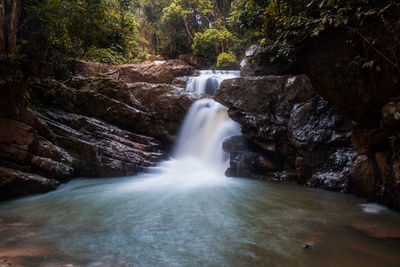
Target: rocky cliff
331, 131
290, 130
89, 127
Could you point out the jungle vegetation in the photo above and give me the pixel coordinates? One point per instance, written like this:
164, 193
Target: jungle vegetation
55, 33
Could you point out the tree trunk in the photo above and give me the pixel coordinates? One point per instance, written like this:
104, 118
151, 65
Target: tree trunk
12, 35
187, 27
2, 35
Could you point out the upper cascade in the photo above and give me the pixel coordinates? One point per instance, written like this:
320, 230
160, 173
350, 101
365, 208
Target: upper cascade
209, 80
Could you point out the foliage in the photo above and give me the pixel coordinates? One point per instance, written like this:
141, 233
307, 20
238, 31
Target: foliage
187, 27
226, 60
392, 109
283, 26
101, 30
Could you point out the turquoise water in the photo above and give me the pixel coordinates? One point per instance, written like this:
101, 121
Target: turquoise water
166, 218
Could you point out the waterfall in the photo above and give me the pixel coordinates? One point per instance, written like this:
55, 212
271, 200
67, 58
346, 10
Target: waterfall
205, 127
209, 80
207, 123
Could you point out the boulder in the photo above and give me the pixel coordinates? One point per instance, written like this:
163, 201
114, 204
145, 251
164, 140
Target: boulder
99, 149
180, 81
245, 162
15, 183
155, 110
24, 149
88, 127
166, 105
152, 72
291, 128
257, 63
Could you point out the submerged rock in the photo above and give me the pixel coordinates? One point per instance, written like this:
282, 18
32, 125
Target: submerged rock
377, 229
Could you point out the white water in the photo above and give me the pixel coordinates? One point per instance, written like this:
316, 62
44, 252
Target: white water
208, 81
198, 158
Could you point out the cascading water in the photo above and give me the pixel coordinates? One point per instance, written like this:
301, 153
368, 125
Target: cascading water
185, 212
198, 158
207, 123
204, 129
209, 80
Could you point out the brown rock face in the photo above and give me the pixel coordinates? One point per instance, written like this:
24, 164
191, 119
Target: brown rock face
15, 183
99, 149
22, 147
95, 127
143, 108
292, 128
145, 72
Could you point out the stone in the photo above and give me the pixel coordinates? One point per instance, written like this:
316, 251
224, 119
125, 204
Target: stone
180, 81
291, 129
14, 183
256, 63
144, 72
99, 149
377, 229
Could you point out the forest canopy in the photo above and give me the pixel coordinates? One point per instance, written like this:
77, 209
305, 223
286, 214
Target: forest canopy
216, 31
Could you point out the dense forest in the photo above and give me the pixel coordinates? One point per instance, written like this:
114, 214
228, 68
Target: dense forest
217, 31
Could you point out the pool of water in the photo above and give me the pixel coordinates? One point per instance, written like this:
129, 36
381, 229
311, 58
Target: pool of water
182, 214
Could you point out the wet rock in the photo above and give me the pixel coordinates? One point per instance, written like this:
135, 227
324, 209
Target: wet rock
377, 229
257, 63
180, 81
154, 110
145, 72
99, 149
97, 127
167, 107
291, 127
359, 96
22, 148
9, 262
14, 183
244, 162
335, 172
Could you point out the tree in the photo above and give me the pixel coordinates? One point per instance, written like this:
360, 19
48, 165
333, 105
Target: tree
9, 25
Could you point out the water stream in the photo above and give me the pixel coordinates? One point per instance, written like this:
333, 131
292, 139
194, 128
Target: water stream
185, 212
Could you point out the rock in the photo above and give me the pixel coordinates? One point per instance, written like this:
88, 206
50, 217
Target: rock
377, 229
167, 107
290, 128
147, 109
328, 60
192, 60
99, 149
335, 172
25, 150
14, 183
180, 81
145, 72
9, 262
246, 163
87, 69
96, 127
256, 63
